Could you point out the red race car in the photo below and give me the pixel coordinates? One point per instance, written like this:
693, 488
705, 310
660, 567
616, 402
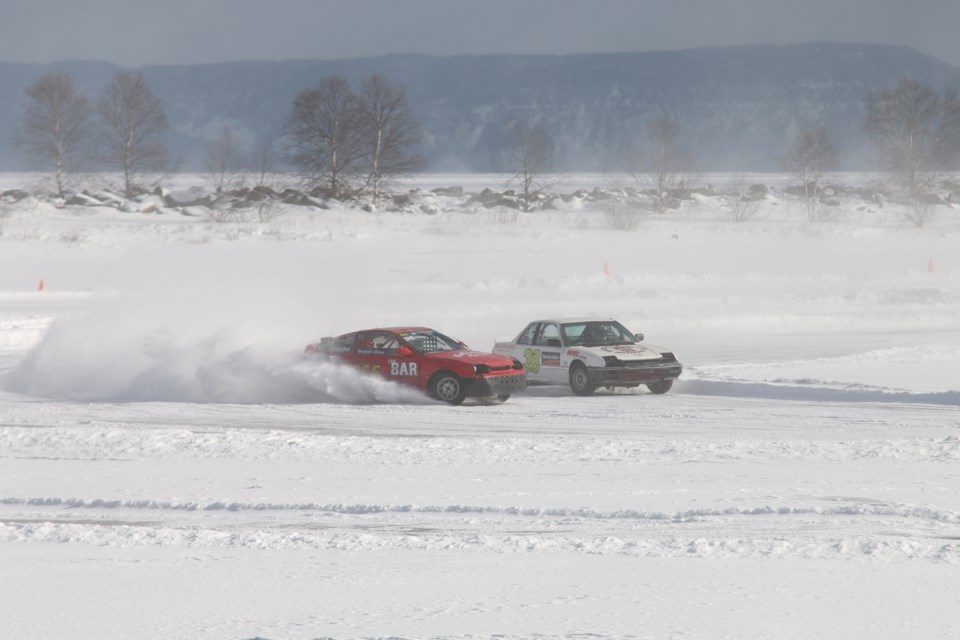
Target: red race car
443, 367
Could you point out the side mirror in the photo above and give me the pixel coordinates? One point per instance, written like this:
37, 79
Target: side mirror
405, 351
638, 336
554, 342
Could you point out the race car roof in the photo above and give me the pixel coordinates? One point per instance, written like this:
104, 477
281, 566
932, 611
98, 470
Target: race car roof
574, 320
400, 329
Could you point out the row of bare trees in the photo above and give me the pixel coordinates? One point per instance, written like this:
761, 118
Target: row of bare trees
123, 131
345, 142
340, 141
658, 167
916, 130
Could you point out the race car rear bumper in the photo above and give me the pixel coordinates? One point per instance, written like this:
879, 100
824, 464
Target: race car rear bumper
496, 385
632, 376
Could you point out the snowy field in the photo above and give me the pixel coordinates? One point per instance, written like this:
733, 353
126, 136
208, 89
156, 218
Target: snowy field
171, 468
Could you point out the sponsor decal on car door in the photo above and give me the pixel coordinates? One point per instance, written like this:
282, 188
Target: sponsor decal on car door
551, 358
401, 367
541, 364
379, 352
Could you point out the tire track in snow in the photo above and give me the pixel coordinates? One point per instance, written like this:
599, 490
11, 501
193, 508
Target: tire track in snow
121, 442
856, 509
888, 547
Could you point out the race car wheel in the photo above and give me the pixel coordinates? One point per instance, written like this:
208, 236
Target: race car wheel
659, 387
447, 387
580, 380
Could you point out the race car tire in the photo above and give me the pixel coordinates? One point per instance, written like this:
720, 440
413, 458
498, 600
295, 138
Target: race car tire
580, 380
661, 386
447, 387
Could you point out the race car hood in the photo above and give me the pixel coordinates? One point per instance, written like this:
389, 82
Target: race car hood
637, 351
471, 357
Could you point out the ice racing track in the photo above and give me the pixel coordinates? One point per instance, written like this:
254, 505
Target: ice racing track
172, 469
550, 511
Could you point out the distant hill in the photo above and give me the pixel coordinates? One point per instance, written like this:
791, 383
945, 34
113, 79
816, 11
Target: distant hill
738, 107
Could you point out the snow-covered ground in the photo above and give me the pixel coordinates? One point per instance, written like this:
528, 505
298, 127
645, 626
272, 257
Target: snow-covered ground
171, 468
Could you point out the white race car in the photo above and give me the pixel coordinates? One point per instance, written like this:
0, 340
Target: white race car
587, 353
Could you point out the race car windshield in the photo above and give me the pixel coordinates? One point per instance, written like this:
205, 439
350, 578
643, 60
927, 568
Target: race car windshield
588, 334
430, 342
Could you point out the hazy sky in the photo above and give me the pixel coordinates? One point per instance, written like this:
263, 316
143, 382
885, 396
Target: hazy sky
134, 33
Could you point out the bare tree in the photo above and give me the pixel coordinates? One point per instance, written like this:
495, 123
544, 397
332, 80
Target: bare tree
917, 129
666, 166
391, 131
262, 166
133, 124
529, 154
55, 128
262, 162
224, 161
742, 203
325, 136
808, 159
224, 164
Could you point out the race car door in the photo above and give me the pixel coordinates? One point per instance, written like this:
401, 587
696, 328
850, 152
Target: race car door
380, 352
538, 348
525, 351
547, 342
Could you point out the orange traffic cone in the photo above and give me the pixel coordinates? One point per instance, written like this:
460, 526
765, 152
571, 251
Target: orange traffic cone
42, 286
930, 266
606, 269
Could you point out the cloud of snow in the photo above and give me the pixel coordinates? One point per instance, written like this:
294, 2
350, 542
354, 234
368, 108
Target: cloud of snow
124, 360
201, 330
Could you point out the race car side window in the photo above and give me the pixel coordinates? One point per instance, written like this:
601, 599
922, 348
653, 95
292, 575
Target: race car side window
343, 344
379, 343
547, 332
529, 333
574, 333
429, 341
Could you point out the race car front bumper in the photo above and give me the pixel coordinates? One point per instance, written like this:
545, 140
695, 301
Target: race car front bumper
624, 376
496, 385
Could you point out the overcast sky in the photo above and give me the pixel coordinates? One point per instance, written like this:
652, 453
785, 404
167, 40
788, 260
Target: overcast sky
134, 33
